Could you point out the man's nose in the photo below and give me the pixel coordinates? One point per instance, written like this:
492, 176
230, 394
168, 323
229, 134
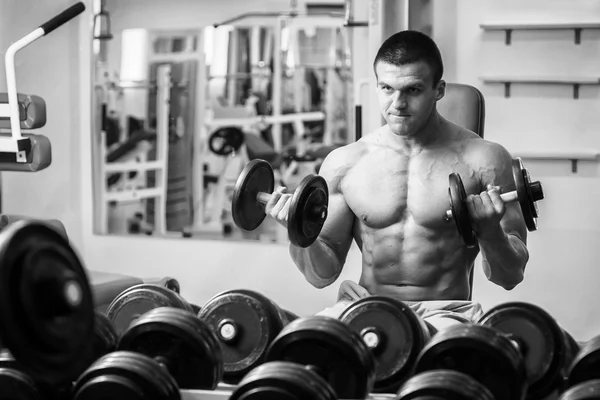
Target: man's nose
399, 101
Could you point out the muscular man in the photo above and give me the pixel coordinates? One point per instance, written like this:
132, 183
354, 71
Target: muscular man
389, 192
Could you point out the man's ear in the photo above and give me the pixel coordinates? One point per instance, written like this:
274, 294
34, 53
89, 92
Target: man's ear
441, 90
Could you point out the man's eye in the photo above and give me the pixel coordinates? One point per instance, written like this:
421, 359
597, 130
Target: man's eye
414, 90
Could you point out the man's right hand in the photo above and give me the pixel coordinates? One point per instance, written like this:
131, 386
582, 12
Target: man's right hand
279, 205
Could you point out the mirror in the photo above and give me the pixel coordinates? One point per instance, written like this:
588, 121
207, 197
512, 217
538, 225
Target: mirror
179, 113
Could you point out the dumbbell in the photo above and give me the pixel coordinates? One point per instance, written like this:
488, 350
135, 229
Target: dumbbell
318, 354
16, 382
527, 193
226, 140
180, 342
483, 353
283, 380
443, 384
394, 333
588, 390
139, 299
245, 323
46, 304
585, 367
126, 375
308, 208
546, 348
105, 337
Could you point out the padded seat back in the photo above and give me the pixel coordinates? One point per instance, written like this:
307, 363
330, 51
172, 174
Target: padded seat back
463, 105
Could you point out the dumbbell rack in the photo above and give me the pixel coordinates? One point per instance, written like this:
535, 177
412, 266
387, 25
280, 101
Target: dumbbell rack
223, 393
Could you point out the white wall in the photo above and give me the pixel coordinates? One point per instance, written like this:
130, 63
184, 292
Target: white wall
562, 272
563, 269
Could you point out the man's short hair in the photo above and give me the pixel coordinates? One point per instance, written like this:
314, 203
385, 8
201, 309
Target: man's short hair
407, 47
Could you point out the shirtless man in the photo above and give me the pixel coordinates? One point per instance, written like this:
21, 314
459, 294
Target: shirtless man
389, 192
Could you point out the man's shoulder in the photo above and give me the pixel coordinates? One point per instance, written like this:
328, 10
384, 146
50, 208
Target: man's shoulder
348, 154
491, 161
476, 148
482, 151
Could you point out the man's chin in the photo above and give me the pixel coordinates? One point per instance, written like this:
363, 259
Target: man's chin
400, 130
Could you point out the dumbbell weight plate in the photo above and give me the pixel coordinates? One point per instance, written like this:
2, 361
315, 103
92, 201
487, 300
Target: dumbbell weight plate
443, 384
139, 299
15, 383
105, 337
247, 212
586, 365
282, 380
480, 352
180, 340
124, 375
226, 140
46, 305
526, 196
394, 333
588, 390
104, 340
245, 323
331, 348
460, 212
543, 343
308, 210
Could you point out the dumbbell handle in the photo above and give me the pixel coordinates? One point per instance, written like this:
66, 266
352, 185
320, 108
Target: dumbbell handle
317, 212
263, 197
508, 197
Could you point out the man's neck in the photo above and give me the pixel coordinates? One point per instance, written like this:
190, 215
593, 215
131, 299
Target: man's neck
423, 138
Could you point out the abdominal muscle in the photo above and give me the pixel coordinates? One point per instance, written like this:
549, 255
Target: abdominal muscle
411, 263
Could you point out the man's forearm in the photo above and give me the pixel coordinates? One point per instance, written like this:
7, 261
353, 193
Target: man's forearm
319, 263
504, 259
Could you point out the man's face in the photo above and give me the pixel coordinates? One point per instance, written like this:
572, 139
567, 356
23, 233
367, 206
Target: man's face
407, 96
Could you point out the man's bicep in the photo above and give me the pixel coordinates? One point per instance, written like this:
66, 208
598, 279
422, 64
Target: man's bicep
499, 173
337, 231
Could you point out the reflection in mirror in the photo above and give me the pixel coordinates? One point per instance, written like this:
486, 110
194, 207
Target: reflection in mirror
179, 114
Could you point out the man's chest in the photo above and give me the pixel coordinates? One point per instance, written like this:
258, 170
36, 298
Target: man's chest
382, 191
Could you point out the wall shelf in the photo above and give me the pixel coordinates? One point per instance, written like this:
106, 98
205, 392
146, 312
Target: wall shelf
577, 27
576, 81
569, 155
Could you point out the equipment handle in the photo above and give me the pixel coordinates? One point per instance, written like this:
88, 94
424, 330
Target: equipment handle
263, 197
63, 17
509, 197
